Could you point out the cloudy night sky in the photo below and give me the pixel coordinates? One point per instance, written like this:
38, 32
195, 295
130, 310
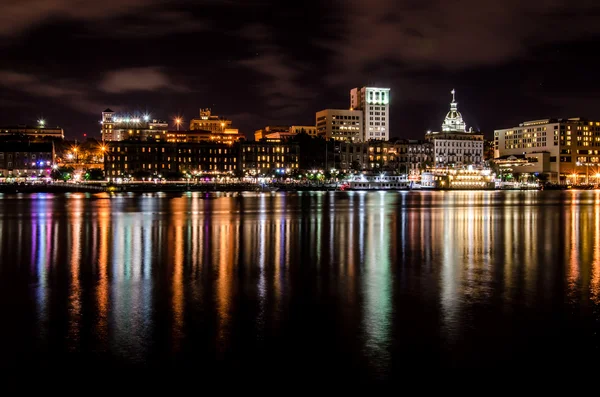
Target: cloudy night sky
278, 62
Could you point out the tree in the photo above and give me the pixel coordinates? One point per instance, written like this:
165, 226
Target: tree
95, 174
63, 173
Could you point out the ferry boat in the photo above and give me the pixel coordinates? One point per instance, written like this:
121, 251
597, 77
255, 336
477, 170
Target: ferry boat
377, 182
464, 179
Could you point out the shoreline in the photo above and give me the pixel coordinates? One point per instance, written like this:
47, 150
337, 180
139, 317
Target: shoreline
182, 188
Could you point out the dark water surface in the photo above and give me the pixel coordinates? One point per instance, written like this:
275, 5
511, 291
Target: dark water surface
359, 284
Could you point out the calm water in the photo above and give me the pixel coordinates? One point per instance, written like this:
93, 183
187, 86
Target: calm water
356, 284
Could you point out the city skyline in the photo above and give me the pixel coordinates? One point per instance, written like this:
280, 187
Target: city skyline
262, 63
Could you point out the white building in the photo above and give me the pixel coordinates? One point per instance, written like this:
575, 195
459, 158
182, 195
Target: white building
375, 105
454, 145
122, 127
340, 124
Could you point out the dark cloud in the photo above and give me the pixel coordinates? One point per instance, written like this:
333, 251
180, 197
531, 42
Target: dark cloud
454, 34
267, 62
19, 15
72, 95
138, 79
283, 85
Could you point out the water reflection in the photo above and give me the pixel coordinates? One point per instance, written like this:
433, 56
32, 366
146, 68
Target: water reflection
363, 278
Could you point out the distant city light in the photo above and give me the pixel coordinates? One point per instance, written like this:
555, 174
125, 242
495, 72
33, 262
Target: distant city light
146, 117
42, 122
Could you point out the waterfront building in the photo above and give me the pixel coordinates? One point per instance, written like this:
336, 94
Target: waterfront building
26, 159
534, 163
403, 155
138, 159
269, 157
573, 144
344, 125
139, 127
454, 145
39, 132
209, 122
374, 103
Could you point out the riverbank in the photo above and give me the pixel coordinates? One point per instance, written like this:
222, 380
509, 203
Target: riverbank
156, 187
204, 187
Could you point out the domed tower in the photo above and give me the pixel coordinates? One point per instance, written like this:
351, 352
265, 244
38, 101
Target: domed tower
454, 121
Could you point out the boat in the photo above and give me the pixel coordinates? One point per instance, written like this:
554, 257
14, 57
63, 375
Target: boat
378, 182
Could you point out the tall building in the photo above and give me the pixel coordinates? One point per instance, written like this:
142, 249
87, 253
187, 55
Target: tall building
454, 145
124, 127
340, 124
209, 122
375, 105
573, 144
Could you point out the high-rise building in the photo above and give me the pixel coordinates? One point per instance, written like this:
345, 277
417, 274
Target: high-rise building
209, 122
375, 105
340, 124
454, 145
573, 144
125, 127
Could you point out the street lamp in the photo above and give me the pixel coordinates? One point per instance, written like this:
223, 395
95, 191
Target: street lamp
178, 122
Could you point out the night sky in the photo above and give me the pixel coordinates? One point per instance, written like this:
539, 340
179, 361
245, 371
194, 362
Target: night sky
278, 62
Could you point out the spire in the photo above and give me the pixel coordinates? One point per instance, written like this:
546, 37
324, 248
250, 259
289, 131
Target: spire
454, 121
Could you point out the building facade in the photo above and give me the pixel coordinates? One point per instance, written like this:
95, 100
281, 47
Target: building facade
258, 158
124, 127
229, 136
137, 159
209, 122
26, 159
573, 144
39, 132
406, 156
340, 124
454, 145
374, 103
272, 132
310, 130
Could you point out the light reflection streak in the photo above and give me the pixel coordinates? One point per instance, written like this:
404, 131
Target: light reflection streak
75, 236
378, 290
